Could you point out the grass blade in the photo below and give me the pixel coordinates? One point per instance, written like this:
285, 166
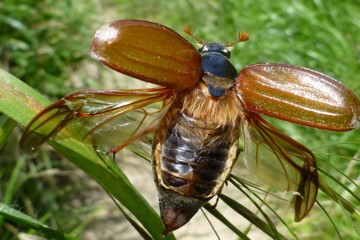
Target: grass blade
17, 98
25, 220
225, 221
7, 125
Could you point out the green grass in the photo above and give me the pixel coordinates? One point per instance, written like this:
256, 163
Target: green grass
45, 52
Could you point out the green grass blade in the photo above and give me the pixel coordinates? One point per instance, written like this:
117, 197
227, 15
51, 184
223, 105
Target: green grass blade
330, 219
21, 103
335, 196
25, 220
225, 221
240, 183
138, 228
7, 125
252, 217
13, 185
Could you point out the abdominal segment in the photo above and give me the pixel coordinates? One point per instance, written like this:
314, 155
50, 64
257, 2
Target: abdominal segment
195, 157
189, 165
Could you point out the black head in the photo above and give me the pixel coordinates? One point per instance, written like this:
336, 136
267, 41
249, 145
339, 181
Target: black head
214, 48
215, 60
219, 73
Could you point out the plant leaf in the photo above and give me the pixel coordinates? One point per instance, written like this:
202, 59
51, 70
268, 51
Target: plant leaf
20, 102
25, 220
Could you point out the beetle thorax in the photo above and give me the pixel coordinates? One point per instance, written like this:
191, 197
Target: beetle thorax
223, 112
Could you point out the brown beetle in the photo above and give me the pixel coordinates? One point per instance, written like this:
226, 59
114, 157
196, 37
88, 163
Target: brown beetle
207, 110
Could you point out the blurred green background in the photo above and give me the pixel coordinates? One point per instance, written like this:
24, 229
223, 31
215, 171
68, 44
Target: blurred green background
45, 44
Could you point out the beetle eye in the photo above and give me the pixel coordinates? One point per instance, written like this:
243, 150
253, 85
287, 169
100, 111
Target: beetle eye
226, 52
229, 48
200, 47
204, 48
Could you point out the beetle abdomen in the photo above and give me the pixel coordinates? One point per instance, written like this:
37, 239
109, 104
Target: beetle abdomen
189, 166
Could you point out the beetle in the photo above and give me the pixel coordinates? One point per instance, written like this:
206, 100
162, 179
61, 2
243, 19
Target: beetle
206, 112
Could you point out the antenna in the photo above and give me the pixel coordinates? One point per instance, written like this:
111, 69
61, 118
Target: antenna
242, 37
190, 31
